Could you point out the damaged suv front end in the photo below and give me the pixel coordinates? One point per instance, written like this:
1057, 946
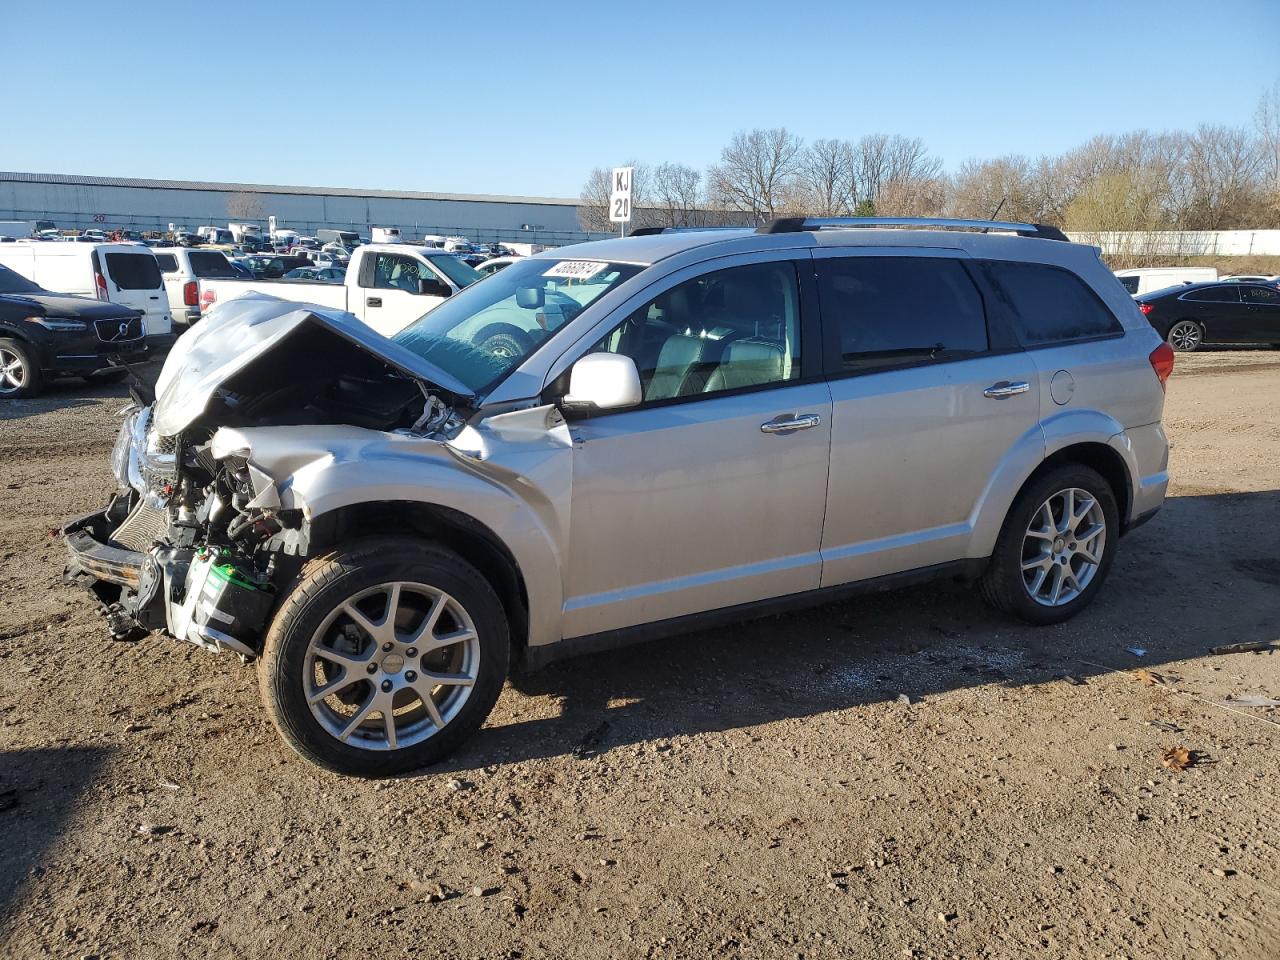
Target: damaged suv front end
198, 538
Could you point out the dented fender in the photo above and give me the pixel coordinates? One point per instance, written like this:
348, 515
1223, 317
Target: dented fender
510, 472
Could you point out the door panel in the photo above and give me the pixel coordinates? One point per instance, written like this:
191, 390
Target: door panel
393, 301
689, 507
1263, 305
912, 453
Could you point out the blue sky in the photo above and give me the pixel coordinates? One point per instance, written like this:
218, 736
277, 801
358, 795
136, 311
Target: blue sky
524, 98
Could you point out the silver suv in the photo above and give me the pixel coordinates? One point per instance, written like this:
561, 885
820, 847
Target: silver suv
623, 439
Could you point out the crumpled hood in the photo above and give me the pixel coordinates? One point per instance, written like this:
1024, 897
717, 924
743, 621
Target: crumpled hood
240, 331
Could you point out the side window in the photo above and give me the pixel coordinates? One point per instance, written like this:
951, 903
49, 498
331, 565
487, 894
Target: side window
1050, 305
897, 311
168, 262
1268, 296
1130, 284
1228, 293
725, 330
393, 272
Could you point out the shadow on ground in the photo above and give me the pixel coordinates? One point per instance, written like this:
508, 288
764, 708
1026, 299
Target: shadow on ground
1196, 577
40, 791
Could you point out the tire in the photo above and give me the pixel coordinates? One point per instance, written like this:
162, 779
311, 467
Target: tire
311, 626
1004, 584
20, 374
1186, 336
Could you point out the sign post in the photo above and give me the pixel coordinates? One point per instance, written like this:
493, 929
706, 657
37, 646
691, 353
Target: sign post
620, 197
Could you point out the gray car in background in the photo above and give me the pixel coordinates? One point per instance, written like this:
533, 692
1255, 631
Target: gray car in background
619, 440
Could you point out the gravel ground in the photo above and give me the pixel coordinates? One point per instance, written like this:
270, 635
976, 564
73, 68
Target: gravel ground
761, 790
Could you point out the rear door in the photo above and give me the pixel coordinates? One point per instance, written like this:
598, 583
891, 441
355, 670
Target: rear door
1263, 304
1218, 309
928, 399
134, 280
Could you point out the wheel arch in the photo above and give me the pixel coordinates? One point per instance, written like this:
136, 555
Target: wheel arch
465, 535
1100, 457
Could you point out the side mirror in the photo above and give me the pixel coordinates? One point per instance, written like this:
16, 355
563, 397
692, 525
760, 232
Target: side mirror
531, 298
603, 381
431, 287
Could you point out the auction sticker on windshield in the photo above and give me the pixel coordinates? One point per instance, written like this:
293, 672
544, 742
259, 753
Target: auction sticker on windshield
576, 269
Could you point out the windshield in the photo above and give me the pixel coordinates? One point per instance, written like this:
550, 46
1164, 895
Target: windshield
11, 282
462, 274
489, 329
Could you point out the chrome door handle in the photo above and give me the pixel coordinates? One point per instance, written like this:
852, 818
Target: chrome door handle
1005, 389
787, 425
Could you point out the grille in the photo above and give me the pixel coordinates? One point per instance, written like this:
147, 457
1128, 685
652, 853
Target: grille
141, 528
110, 330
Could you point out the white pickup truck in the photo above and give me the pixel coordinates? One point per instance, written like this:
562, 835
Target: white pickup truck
388, 286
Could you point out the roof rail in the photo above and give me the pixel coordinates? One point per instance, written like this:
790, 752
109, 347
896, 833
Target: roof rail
801, 224
653, 231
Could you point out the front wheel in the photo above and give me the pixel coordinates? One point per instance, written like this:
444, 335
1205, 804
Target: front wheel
1055, 548
1185, 336
384, 657
19, 370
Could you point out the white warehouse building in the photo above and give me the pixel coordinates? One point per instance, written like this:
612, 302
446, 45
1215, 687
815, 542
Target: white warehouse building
109, 203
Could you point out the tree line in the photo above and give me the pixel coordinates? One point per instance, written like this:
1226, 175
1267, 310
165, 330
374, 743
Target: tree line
1215, 177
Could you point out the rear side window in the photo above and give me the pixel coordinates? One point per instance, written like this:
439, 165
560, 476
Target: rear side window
211, 265
1270, 296
898, 311
1051, 305
134, 271
1228, 293
168, 262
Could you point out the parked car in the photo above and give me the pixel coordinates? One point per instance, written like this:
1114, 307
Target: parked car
45, 334
268, 267
1190, 317
183, 269
720, 424
1138, 280
388, 286
121, 273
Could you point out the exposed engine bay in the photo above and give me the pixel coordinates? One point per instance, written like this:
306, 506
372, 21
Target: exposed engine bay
196, 541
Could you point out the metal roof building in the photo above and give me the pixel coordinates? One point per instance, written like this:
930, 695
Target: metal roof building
74, 201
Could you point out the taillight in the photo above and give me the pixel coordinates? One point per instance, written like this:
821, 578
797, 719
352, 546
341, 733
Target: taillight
1162, 362
100, 286
191, 293
1146, 309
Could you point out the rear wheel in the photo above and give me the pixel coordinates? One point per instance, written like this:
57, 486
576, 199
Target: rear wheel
384, 658
19, 370
1055, 548
1186, 336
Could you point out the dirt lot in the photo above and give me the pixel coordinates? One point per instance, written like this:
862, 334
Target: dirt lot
760, 790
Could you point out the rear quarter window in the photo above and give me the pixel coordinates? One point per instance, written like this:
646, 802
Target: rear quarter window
1050, 304
168, 262
134, 271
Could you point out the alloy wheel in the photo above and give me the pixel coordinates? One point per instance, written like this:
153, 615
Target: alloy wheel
13, 372
1063, 547
1185, 335
391, 666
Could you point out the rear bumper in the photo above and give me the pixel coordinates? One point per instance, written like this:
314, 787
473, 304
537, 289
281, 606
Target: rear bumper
1145, 451
92, 556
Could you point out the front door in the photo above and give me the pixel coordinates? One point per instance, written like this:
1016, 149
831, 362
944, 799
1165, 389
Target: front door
924, 410
711, 492
388, 298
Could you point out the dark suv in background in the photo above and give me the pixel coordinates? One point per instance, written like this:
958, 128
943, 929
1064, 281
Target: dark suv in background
45, 334
1195, 314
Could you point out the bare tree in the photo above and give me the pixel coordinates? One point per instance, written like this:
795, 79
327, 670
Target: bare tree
244, 206
755, 171
825, 179
880, 159
593, 205
1266, 119
676, 196
982, 189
